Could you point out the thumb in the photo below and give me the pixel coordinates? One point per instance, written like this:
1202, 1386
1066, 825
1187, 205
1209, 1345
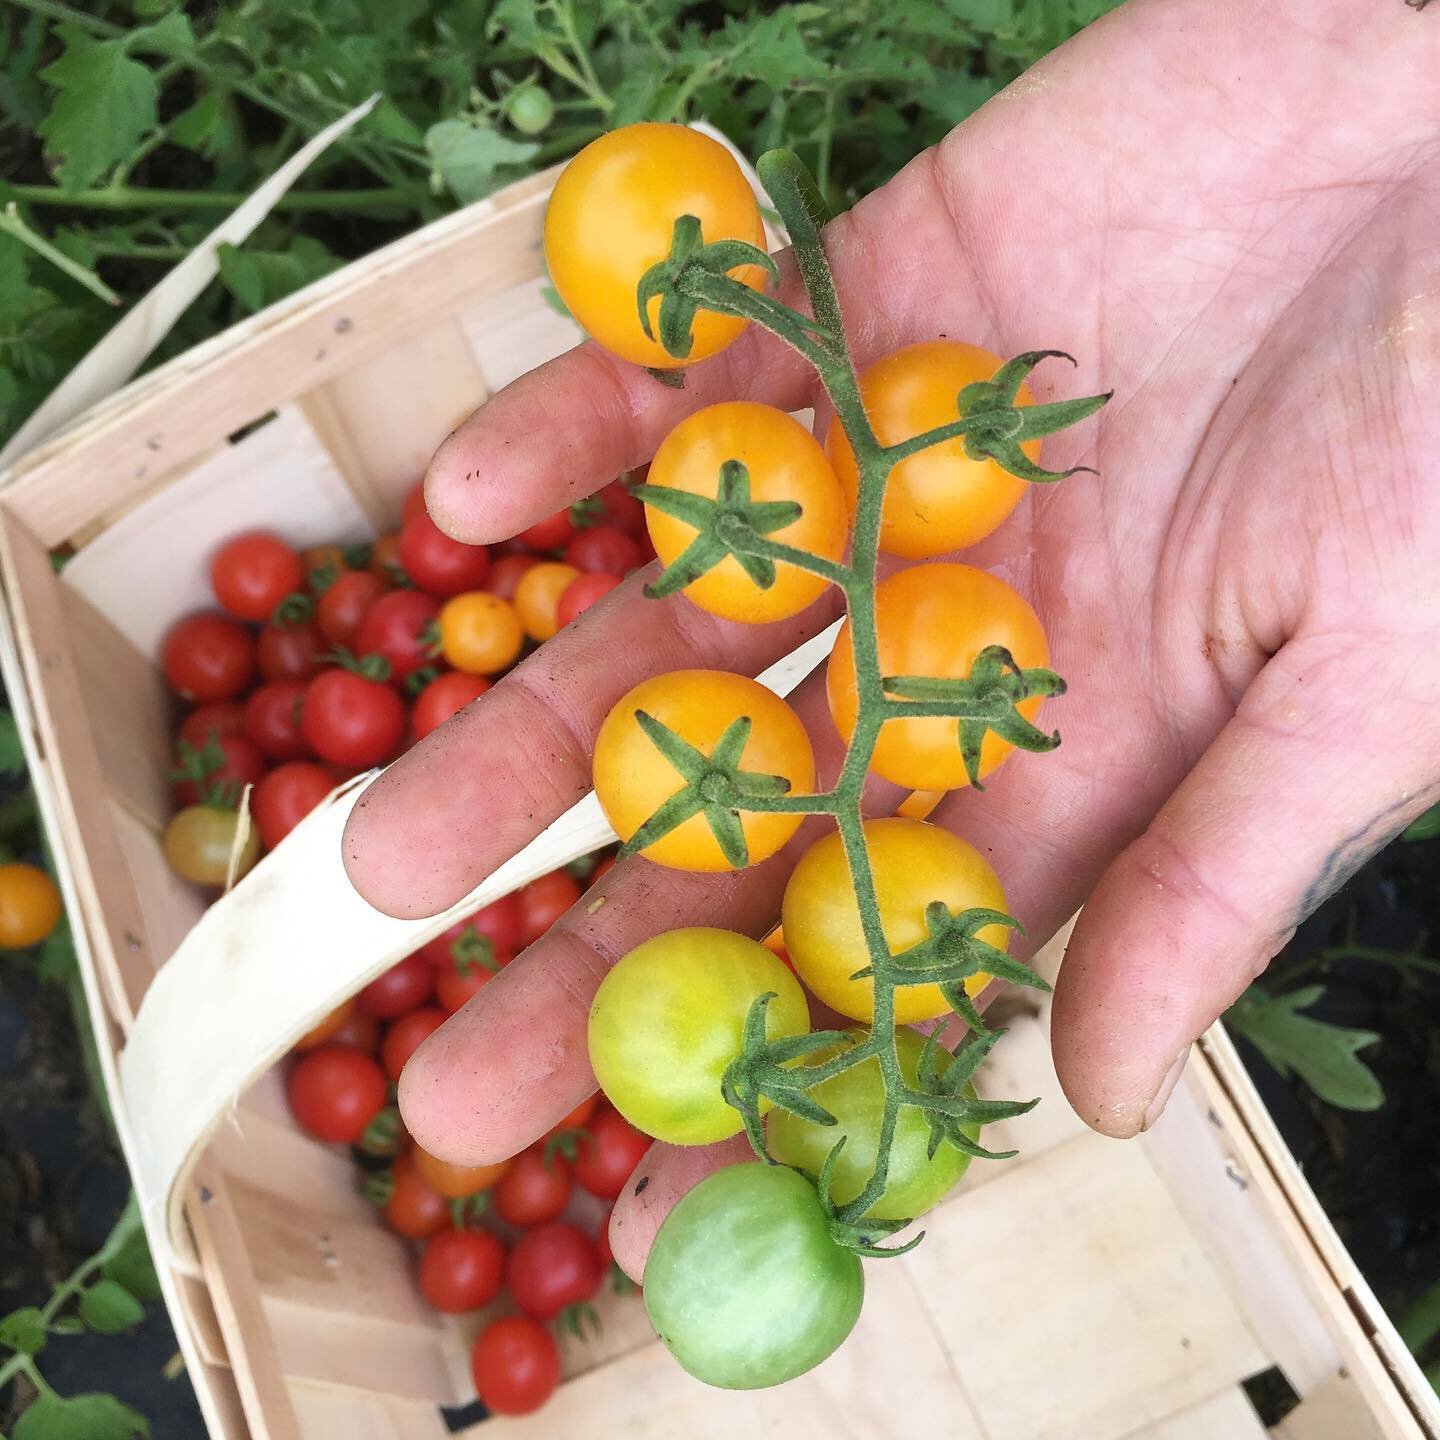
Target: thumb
1334, 748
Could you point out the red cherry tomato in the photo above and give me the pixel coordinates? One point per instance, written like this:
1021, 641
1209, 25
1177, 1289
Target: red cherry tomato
335, 1092
438, 564
405, 986
385, 560
414, 503
507, 572
401, 627
349, 720
414, 1209
462, 1270
291, 652
534, 1189
550, 533
454, 988
253, 573
604, 550
360, 1032
619, 508
551, 1267
208, 657
580, 594
285, 797
543, 902
345, 604
272, 719
499, 924
443, 697
217, 717
609, 1150
229, 762
403, 1038
515, 1365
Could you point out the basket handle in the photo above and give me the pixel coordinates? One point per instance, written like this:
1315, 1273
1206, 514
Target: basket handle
233, 999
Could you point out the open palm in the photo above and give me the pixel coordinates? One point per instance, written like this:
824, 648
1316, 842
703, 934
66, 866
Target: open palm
1229, 210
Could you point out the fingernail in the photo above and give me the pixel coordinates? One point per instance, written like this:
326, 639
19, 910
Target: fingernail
1161, 1098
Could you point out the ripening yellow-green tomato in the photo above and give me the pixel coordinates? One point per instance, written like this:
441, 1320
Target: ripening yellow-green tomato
612, 216
670, 1017
198, 842
940, 499
914, 864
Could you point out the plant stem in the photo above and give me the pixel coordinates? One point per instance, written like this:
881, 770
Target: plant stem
12, 224
130, 197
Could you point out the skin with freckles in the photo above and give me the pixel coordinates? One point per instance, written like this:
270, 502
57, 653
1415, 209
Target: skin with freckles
1227, 209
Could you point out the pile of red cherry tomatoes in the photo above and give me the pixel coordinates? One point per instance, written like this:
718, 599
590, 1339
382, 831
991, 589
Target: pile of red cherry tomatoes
322, 663
316, 666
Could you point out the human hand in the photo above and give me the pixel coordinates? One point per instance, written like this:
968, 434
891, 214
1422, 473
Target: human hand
1227, 212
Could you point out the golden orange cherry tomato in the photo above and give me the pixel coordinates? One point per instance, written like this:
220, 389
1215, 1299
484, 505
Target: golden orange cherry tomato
939, 500
783, 462
633, 779
455, 1182
933, 620
537, 597
612, 216
480, 633
328, 1028
385, 559
29, 905
913, 863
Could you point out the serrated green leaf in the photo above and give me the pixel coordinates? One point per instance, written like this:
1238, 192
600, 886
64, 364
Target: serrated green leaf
80, 1417
465, 158
109, 1308
104, 104
1322, 1055
258, 278
23, 1330
170, 35
132, 1267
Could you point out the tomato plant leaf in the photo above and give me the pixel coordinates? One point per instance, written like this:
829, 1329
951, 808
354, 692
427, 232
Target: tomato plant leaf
466, 158
12, 755
105, 102
132, 1266
80, 1417
1427, 827
1322, 1055
109, 1308
258, 278
23, 1330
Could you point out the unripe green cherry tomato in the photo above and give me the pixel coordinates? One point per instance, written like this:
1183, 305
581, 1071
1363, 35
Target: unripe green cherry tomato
913, 864
633, 779
939, 500
915, 1183
612, 216
745, 1285
934, 620
783, 463
529, 109
670, 1017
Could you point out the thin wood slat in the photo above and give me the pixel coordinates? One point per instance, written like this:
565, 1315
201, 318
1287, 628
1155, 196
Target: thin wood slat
1226, 1416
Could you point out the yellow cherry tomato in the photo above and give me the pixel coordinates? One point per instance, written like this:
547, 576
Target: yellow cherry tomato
933, 620
939, 500
537, 597
29, 905
480, 633
914, 864
612, 216
783, 462
198, 842
633, 779
455, 1182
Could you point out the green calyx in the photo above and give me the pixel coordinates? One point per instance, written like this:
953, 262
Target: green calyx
471, 950
674, 280
715, 787
946, 1098
989, 699
860, 1235
729, 525
293, 610
768, 1070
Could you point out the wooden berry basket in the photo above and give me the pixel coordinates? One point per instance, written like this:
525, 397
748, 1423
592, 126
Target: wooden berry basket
1146, 1280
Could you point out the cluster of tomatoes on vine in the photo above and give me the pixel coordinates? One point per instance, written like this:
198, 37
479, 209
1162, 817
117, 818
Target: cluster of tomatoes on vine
321, 663
534, 1228
937, 675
